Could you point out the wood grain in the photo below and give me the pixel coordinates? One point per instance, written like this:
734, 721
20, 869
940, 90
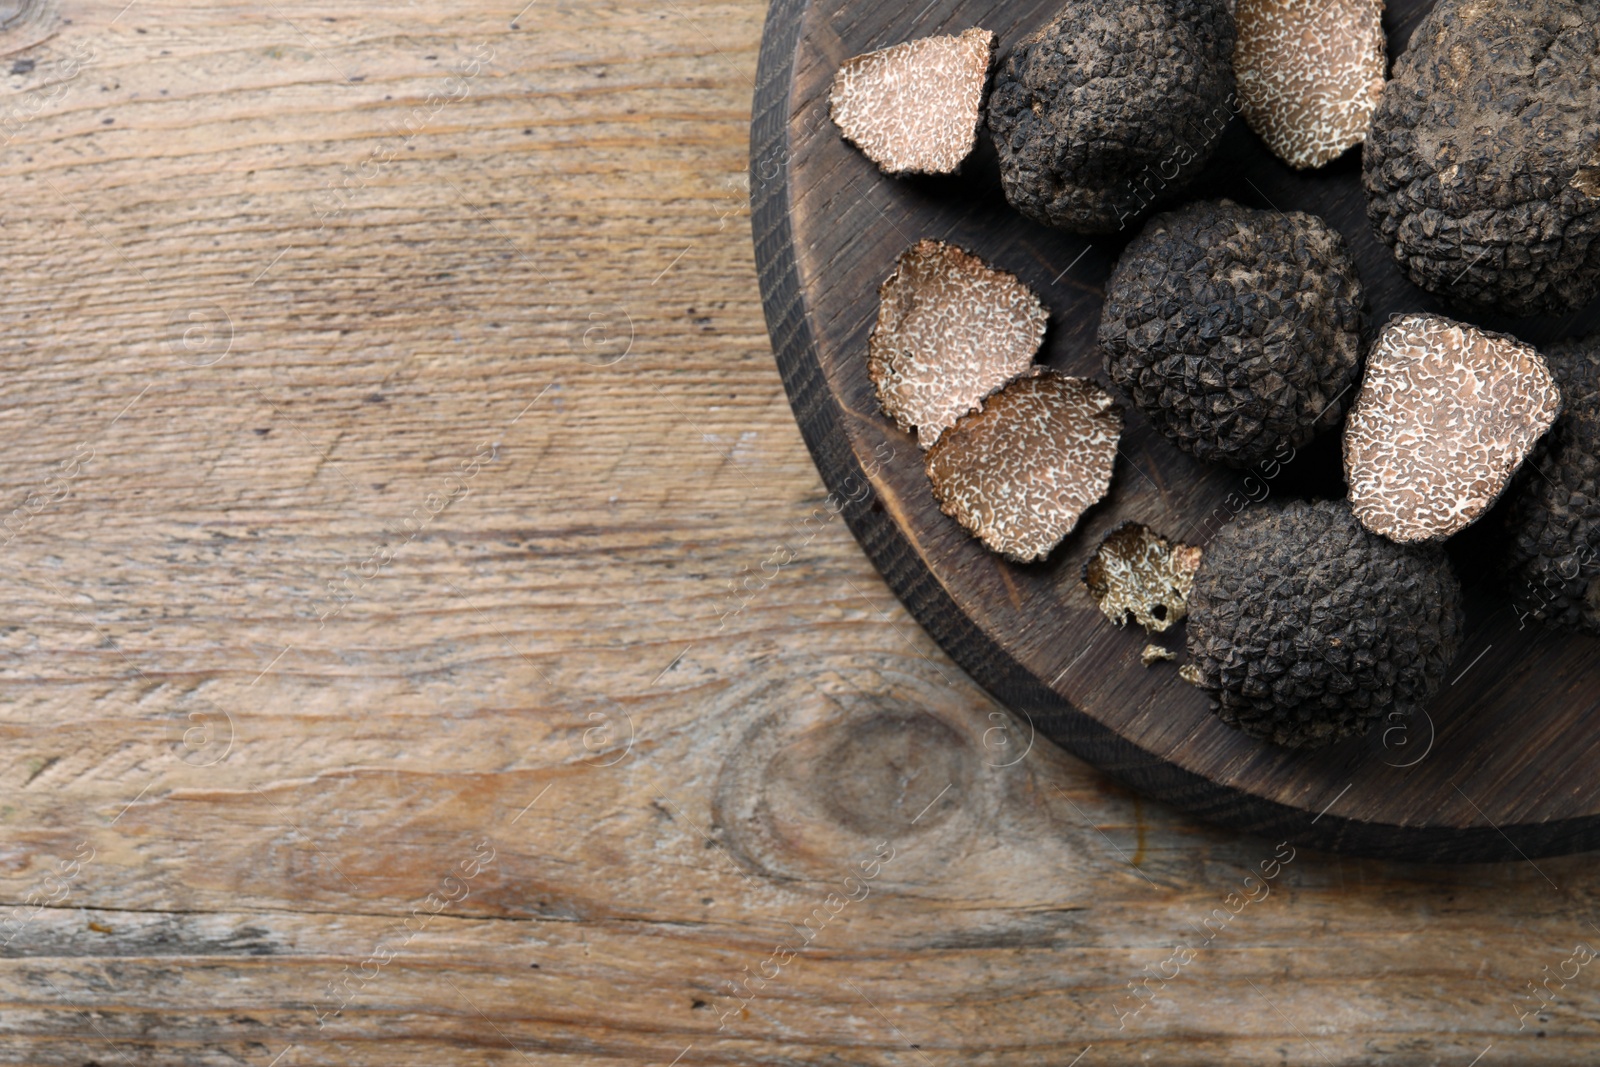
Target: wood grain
1502, 763
215, 808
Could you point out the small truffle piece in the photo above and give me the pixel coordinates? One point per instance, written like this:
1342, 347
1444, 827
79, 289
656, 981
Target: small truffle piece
1137, 572
915, 108
1306, 628
1552, 564
1587, 179
1190, 673
1445, 415
1236, 331
1112, 108
1479, 165
1154, 654
1310, 74
1020, 472
950, 331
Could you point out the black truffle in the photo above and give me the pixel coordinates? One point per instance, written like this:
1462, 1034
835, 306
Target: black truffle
1235, 331
1111, 108
1553, 520
1482, 168
1306, 628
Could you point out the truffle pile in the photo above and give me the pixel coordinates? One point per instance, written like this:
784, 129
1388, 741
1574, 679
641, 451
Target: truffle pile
1235, 331
1241, 334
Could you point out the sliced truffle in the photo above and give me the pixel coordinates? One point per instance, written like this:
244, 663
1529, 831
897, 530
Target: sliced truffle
1445, 415
1154, 654
950, 331
1306, 628
1137, 572
915, 108
1553, 549
1475, 169
1587, 180
1309, 74
1020, 472
1113, 107
1236, 331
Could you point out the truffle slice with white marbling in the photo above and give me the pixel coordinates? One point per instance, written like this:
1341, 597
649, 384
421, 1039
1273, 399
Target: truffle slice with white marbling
1445, 416
1022, 471
914, 108
1137, 572
1310, 74
950, 331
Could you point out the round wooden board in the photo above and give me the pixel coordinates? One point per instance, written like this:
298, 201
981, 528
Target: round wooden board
1507, 761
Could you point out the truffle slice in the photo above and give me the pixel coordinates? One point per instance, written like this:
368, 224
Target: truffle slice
950, 331
914, 108
1310, 74
1552, 564
1306, 628
1479, 165
1445, 416
1137, 572
1587, 178
1020, 472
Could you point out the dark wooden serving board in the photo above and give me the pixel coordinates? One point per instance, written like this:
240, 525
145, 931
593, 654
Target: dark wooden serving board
1507, 761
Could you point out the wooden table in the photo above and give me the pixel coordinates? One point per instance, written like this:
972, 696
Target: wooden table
429, 642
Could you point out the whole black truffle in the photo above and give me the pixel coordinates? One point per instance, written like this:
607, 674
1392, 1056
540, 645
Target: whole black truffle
1306, 628
1482, 168
1236, 331
1113, 107
1553, 521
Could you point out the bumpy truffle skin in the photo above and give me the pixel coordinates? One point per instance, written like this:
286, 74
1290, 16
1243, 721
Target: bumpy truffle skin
1114, 106
1553, 521
1482, 168
1235, 331
1306, 629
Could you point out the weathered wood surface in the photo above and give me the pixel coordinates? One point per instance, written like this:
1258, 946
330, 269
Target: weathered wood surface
1501, 764
230, 378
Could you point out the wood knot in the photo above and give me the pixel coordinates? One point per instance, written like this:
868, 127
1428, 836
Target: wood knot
26, 23
891, 773
831, 772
